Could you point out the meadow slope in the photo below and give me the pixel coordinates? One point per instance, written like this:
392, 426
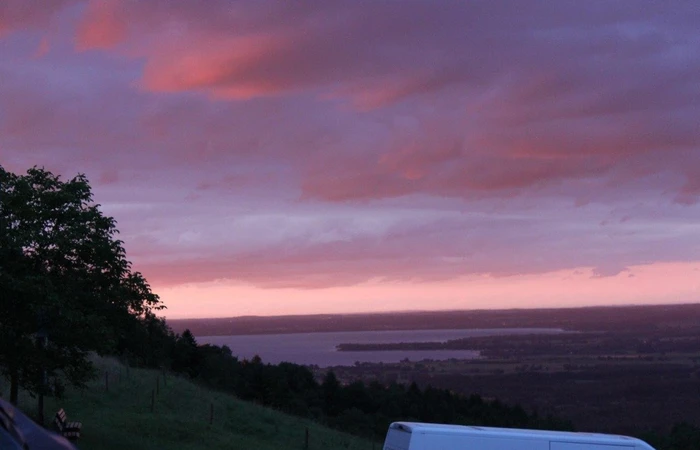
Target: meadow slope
121, 417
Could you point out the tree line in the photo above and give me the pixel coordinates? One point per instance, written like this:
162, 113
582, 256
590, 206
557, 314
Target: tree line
358, 408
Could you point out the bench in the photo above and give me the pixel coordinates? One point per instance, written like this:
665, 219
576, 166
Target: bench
69, 430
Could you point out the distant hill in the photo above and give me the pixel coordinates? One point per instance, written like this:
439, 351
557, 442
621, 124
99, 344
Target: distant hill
580, 319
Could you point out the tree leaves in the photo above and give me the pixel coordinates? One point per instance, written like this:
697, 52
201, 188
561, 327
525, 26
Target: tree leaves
63, 275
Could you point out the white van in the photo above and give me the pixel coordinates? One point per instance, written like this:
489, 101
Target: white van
431, 436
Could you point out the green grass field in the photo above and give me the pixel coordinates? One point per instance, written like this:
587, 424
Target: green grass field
122, 418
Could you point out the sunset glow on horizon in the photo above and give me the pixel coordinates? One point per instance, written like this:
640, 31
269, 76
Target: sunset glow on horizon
273, 158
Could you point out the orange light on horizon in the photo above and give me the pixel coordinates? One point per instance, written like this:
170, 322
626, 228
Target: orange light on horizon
640, 285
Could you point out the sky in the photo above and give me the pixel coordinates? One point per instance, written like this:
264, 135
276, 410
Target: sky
275, 157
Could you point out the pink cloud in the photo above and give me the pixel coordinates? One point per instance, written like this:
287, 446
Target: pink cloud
531, 115
325, 252
43, 48
103, 26
108, 177
555, 290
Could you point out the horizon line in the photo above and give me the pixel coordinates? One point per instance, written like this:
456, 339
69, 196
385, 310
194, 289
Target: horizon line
418, 311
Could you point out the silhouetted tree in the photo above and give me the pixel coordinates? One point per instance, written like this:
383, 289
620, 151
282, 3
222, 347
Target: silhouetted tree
66, 287
186, 357
331, 394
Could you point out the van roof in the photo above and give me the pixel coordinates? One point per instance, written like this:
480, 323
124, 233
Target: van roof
569, 436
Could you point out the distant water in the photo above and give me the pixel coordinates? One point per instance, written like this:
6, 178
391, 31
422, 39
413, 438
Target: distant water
320, 348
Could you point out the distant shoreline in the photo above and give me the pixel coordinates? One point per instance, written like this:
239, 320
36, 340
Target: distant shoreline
598, 318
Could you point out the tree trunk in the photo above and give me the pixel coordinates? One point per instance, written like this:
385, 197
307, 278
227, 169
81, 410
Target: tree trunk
14, 386
40, 409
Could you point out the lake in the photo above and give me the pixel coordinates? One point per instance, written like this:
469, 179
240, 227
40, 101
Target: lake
320, 348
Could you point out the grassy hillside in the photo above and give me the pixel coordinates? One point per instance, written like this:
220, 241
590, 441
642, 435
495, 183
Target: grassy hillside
122, 418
